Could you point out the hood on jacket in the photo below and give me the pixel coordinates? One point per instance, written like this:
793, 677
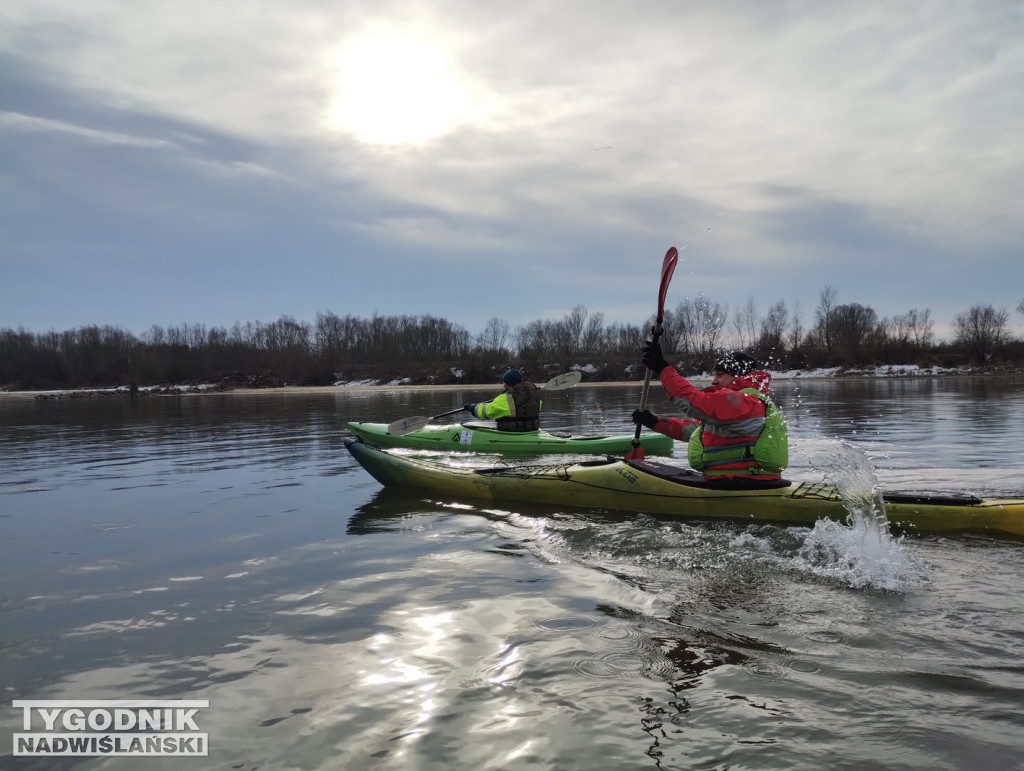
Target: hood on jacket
758, 379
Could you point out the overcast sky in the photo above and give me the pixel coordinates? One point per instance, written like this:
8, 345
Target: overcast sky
207, 162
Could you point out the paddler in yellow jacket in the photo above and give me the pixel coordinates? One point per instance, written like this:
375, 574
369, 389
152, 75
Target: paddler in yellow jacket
517, 408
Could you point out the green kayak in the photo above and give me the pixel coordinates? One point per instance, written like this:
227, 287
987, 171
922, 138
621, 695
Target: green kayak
471, 437
660, 488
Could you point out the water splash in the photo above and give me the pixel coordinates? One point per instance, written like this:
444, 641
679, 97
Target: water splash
849, 469
862, 552
856, 551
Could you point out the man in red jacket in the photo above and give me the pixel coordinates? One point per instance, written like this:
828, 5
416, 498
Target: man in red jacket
733, 429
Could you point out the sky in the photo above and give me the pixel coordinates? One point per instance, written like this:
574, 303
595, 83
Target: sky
169, 163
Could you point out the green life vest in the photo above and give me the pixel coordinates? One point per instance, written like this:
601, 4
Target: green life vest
770, 451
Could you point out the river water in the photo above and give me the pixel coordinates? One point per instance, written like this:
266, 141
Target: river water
226, 548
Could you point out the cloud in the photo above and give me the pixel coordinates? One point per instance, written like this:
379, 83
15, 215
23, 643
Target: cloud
17, 122
788, 145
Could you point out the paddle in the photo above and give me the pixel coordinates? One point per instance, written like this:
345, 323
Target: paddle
668, 266
408, 425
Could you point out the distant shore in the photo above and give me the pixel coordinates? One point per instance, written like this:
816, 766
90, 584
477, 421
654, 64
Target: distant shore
301, 390
220, 390
275, 390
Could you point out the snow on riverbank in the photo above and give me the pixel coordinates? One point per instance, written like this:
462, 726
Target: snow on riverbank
888, 370
893, 370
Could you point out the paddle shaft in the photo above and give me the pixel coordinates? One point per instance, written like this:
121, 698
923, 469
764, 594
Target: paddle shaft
446, 414
637, 452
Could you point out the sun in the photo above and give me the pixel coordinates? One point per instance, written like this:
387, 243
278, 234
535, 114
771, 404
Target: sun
394, 88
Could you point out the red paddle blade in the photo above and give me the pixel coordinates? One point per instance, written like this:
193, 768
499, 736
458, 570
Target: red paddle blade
668, 267
637, 453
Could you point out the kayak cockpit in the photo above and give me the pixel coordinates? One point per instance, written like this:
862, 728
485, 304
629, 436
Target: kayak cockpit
690, 478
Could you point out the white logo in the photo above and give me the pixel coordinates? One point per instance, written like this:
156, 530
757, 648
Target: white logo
112, 728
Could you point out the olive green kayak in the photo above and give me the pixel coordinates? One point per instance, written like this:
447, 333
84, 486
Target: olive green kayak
470, 437
660, 488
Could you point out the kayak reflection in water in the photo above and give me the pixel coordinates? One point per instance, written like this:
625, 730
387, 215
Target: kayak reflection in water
733, 429
517, 408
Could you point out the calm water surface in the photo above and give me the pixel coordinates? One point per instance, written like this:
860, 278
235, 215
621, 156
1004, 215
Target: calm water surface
226, 547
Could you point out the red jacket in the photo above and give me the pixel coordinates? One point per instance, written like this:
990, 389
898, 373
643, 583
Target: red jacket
729, 416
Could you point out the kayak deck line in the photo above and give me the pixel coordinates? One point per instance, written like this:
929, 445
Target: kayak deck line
670, 473
471, 436
557, 432
681, 476
663, 489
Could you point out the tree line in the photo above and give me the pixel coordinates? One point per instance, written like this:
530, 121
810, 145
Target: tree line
428, 349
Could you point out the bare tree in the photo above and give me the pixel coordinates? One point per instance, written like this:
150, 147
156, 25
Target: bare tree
154, 335
699, 323
981, 330
796, 328
852, 327
823, 316
909, 333
773, 327
495, 337
626, 339
594, 339
920, 322
744, 323
534, 340
673, 332
570, 332
578, 334
897, 330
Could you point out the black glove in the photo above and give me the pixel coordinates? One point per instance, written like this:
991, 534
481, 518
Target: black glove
471, 408
653, 358
646, 418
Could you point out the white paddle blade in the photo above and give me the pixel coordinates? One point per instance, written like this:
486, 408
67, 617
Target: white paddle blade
407, 425
567, 380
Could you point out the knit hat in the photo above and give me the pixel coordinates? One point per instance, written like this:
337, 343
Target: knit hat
736, 363
512, 377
